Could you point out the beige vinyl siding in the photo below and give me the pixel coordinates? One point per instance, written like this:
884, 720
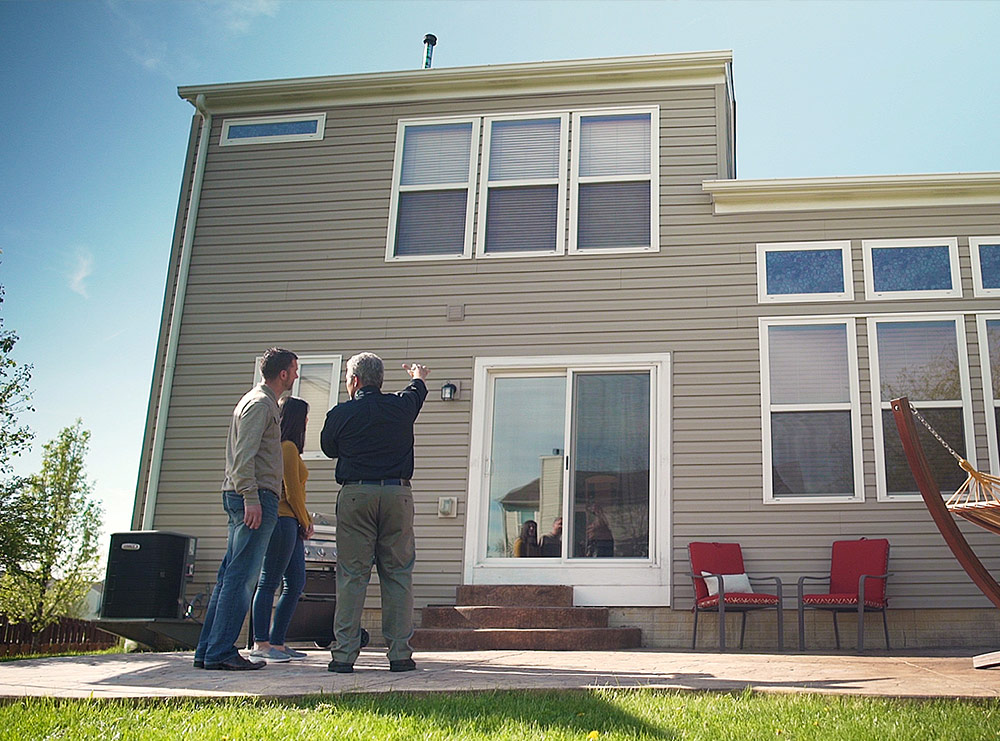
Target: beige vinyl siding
290, 251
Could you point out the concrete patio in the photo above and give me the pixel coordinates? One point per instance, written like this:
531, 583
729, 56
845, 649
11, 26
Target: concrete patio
929, 674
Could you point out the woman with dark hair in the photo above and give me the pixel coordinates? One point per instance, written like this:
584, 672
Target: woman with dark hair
526, 545
285, 559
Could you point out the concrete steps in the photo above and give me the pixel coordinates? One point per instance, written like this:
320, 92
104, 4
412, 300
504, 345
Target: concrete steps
519, 617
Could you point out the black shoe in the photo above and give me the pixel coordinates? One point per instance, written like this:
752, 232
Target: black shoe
340, 667
199, 663
402, 665
235, 664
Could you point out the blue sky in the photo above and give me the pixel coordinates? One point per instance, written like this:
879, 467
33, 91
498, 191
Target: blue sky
93, 137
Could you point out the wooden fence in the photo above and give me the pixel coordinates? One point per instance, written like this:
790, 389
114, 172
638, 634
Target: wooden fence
66, 635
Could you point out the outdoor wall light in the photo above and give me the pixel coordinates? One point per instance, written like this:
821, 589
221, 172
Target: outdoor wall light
449, 392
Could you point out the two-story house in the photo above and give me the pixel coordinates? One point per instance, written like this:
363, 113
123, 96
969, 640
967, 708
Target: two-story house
633, 341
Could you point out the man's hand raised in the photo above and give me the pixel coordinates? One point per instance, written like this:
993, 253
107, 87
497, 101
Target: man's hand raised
416, 370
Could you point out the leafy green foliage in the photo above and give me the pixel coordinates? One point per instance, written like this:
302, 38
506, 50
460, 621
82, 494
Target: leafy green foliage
17, 524
64, 562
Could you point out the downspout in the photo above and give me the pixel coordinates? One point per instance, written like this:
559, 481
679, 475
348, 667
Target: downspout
170, 361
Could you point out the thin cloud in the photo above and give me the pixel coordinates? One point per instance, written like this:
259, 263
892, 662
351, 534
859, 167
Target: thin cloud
239, 15
82, 269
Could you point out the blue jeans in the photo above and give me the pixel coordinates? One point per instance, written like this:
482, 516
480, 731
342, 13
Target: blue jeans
238, 573
285, 561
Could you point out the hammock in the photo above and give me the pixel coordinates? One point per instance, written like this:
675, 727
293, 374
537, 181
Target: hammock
977, 499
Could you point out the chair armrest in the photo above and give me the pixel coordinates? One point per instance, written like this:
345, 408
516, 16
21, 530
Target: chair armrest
775, 579
802, 581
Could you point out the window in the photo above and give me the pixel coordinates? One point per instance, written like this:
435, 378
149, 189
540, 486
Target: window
522, 204
615, 173
432, 197
985, 265
804, 271
925, 360
811, 406
318, 385
273, 129
911, 268
989, 356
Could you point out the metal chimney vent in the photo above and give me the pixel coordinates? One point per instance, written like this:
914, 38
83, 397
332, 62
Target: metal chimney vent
429, 41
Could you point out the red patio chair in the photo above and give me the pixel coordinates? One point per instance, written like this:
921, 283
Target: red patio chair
856, 567
713, 562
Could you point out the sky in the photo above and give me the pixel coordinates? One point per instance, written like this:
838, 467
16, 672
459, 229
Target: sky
93, 137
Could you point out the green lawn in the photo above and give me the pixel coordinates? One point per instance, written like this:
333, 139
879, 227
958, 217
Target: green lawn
117, 649
612, 714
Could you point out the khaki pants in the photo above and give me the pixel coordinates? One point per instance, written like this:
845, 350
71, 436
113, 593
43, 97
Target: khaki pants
374, 526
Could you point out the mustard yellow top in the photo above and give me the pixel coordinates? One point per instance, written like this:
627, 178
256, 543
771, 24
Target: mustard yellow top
293, 495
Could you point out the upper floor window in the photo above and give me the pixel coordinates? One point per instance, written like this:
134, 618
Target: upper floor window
804, 271
615, 181
985, 265
432, 197
911, 268
273, 129
523, 197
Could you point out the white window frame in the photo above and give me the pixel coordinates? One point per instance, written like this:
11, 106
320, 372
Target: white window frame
853, 405
485, 184
867, 245
977, 268
654, 179
764, 248
336, 362
469, 185
641, 581
228, 123
878, 404
991, 402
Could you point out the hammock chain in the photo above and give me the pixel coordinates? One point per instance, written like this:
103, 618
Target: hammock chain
937, 437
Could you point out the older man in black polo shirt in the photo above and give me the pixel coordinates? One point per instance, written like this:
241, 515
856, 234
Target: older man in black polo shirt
371, 436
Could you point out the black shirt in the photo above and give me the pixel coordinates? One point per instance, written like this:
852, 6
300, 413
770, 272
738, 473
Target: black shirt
371, 435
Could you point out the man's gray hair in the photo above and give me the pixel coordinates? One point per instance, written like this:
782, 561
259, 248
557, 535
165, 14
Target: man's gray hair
368, 368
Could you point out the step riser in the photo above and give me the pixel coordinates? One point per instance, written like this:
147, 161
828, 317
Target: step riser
527, 640
514, 617
515, 595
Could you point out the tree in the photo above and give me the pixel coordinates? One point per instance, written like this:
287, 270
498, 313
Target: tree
55, 581
17, 523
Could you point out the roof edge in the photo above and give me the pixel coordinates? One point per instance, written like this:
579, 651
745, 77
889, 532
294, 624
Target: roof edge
866, 191
710, 67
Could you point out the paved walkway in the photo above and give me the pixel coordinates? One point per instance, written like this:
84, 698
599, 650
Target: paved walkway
931, 674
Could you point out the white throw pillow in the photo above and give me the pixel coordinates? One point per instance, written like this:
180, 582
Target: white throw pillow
734, 583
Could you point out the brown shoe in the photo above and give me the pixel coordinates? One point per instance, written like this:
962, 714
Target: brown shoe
235, 664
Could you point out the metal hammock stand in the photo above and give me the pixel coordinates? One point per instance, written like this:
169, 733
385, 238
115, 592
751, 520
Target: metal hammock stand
976, 500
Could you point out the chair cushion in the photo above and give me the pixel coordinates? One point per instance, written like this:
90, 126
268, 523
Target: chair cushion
738, 598
732, 583
851, 559
835, 599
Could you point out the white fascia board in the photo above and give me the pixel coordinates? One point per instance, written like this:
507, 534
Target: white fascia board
874, 191
660, 70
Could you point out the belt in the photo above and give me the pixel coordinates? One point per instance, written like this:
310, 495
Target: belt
379, 482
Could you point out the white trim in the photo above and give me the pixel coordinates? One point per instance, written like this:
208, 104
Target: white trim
838, 193
847, 274
878, 404
573, 75
227, 124
977, 268
991, 403
853, 405
469, 185
559, 181
654, 179
867, 245
335, 362
606, 581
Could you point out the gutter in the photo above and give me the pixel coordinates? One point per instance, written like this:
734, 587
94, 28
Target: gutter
170, 361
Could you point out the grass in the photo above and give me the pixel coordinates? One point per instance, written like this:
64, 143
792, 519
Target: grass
118, 648
613, 714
